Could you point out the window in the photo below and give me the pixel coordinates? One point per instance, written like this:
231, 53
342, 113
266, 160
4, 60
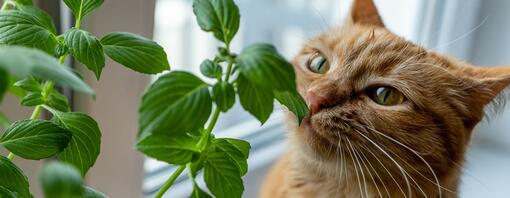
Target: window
451, 27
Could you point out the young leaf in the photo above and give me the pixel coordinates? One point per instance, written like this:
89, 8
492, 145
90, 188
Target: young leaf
210, 69
236, 150
262, 65
91, 193
4, 83
86, 49
174, 149
254, 99
32, 99
13, 179
60, 180
6, 193
57, 101
221, 17
294, 102
177, 102
29, 84
221, 175
23, 28
16, 91
81, 8
24, 2
135, 52
35, 139
224, 95
84, 147
23, 62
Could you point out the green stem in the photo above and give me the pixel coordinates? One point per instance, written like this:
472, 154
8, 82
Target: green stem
47, 89
204, 140
78, 24
5, 5
11, 156
170, 181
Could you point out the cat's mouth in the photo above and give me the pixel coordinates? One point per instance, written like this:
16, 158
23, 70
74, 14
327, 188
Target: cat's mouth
326, 126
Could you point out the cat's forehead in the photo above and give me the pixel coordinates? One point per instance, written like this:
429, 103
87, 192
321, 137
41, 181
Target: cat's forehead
359, 51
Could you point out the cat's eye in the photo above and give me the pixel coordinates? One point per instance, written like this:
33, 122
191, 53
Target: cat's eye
318, 64
387, 96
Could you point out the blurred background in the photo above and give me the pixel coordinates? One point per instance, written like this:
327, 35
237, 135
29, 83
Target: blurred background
473, 30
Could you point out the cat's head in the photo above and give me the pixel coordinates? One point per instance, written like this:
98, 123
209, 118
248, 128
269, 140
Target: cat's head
373, 91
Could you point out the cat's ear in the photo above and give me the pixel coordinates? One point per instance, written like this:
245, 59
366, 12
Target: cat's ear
364, 12
485, 84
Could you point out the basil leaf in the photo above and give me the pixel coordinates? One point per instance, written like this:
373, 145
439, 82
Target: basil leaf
221, 175
23, 62
86, 49
224, 95
60, 180
13, 179
29, 84
35, 139
258, 101
221, 17
24, 2
82, 8
57, 101
177, 102
42, 18
85, 144
6, 193
236, 150
4, 83
32, 99
294, 102
23, 28
91, 193
135, 52
264, 66
211, 69
175, 149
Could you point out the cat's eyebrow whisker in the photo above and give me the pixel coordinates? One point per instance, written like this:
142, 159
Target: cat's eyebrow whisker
360, 168
386, 169
356, 170
415, 153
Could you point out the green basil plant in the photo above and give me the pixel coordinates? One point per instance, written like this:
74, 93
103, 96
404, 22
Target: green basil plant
32, 57
179, 111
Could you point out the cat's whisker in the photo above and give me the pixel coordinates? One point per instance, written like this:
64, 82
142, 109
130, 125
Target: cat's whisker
337, 163
366, 160
425, 177
359, 165
402, 170
356, 170
415, 153
370, 172
409, 175
386, 169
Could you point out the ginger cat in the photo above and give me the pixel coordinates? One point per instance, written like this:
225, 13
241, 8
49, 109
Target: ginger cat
387, 117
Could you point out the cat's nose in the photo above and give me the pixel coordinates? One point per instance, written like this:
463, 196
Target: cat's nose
316, 102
